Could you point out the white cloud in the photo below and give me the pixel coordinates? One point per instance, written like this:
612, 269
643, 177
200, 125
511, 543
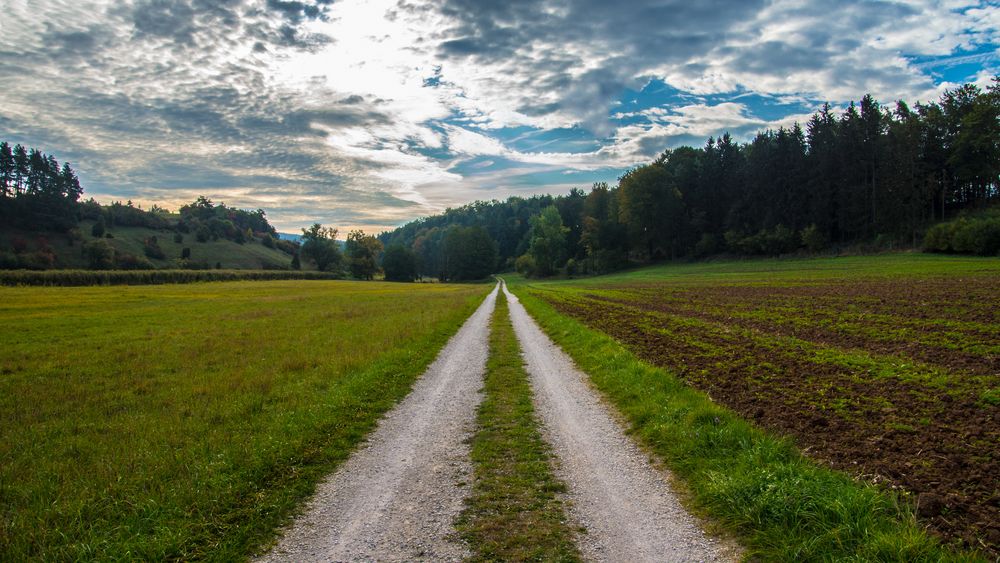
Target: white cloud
371, 124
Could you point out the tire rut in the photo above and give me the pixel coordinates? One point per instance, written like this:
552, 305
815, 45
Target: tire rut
625, 504
397, 496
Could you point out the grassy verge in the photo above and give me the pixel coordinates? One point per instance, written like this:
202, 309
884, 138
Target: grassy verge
514, 513
189, 421
781, 505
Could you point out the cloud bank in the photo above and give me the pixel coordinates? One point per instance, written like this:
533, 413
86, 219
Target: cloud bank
371, 113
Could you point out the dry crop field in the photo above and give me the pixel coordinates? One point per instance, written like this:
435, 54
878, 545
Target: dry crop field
887, 367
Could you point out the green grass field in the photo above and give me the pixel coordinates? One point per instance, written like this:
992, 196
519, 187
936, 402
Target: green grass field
187, 421
881, 366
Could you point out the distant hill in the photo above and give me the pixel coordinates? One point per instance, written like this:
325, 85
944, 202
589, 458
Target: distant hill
290, 237
70, 250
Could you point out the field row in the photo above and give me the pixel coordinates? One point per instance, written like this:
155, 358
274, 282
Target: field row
893, 380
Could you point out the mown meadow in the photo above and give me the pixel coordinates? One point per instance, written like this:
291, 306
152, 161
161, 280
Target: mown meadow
187, 421
884, 367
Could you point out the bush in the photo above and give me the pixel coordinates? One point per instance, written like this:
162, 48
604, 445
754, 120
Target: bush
127, 261
571, 267
40, 260
151, 248
707, 245
99, 228
287, 246
814, 238
938, 237
9, 261
779, 240
178, 238
525, 265
966, 235
100, 255
185, 253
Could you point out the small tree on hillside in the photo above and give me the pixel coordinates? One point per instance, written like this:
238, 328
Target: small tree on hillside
99, 228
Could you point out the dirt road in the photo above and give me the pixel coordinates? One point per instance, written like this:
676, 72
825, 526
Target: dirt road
625, 504
395, 498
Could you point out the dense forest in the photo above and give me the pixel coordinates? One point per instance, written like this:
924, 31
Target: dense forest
869, 174
35, 191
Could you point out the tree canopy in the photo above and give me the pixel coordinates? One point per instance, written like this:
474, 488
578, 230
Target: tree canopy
870, 173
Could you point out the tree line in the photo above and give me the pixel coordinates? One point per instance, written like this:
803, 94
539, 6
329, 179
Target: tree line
35, 190
867, 174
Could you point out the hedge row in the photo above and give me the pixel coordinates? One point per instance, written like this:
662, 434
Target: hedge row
978, 234
148, 277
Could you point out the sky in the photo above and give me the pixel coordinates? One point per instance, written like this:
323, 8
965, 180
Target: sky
369, 114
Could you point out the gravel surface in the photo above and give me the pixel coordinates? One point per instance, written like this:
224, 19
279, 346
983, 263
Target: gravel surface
395, 498
625, 504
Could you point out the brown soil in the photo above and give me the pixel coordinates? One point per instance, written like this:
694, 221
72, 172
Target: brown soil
937, 440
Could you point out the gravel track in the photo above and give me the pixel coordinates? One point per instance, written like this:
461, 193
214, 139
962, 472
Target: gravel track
625, 504
395, 498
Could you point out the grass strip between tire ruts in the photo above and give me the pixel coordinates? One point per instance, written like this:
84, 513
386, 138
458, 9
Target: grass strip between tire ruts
514, 512
781, 505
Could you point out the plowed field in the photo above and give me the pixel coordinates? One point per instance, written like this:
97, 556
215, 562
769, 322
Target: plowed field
893, 378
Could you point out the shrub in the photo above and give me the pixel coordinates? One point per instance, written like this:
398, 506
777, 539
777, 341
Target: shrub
127, 261
525, 264
9, 261
267, 240
99, 228
40, 260
967, 235
814, 238
19, 245
296, 263
707, 245
100, 255
571, 267
151, 248
178, 238
185, 253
